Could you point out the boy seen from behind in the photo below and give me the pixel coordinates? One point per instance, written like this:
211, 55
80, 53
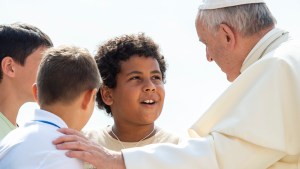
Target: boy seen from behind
67, 82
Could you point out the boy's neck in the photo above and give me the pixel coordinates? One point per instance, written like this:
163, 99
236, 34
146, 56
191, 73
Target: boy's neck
10, 112
65, 113
128, 133
10, 104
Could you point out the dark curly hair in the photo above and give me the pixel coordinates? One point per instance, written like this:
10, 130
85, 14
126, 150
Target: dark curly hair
112, 52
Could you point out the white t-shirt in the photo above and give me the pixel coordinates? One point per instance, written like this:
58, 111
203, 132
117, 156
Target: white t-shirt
103, 138
30, 146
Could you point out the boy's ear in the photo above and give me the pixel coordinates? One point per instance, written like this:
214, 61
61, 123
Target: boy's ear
35, 92
8, 66
106, 95
89, 96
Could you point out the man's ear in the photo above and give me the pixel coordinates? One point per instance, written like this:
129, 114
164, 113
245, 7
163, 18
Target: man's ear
228, 34
35, 92
106, 95
8, 66
88, 97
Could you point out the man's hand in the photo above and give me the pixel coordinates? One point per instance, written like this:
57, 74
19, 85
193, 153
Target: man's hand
81, 148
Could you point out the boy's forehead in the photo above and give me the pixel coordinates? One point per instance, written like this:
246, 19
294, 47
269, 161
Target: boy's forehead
136, 63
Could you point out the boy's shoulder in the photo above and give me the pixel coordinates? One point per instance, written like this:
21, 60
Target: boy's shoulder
34, 135
31, 145
164, 136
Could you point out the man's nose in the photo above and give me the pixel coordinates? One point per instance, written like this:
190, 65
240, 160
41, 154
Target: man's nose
208, 56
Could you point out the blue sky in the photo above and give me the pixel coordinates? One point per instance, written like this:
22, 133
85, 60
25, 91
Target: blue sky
192, 82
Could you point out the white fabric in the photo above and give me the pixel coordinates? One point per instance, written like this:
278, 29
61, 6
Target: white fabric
214, 4
102, 137
254, 124
271, 41
30, 146
190, 154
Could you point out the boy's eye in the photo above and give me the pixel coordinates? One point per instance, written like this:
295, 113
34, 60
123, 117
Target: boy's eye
157, 77
134, 78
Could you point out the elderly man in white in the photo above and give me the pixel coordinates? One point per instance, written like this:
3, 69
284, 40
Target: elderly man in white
254, 124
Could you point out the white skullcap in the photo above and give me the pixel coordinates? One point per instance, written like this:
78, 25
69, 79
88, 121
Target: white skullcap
214, 4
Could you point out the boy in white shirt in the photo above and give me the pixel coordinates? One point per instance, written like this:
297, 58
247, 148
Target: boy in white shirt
67, 82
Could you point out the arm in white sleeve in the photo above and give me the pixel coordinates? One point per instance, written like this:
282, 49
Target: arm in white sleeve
192, 154
217, 152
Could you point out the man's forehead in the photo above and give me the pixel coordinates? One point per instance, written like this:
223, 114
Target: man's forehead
200, 26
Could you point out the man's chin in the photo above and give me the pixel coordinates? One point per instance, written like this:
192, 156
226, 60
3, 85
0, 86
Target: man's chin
231, 78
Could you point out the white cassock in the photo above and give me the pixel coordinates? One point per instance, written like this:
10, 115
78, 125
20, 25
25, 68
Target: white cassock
254, 124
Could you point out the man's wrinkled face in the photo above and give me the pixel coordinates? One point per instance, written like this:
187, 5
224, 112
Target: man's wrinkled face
217, 50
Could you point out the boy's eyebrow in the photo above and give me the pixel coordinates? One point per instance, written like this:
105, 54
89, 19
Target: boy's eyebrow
138, 72
133, 72
155, 72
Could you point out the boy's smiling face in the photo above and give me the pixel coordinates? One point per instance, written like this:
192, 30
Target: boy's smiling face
139, 94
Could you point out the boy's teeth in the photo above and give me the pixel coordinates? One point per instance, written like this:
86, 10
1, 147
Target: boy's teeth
149, 101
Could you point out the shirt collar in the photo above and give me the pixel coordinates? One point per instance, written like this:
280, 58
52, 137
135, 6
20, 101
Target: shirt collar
263, 46
44, 115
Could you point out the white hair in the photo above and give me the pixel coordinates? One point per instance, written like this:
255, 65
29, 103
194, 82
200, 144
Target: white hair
246, 19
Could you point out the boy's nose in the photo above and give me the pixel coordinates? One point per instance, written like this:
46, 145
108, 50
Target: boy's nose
149, 86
